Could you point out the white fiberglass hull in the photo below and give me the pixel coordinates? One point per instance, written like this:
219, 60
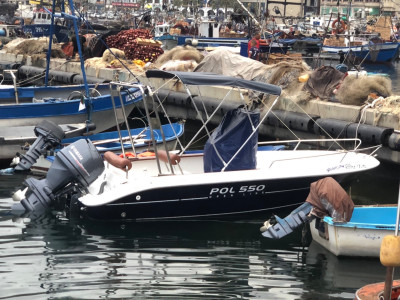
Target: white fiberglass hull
282, 178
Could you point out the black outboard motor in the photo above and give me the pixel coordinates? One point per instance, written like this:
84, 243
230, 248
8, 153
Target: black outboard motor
49, 136
79, 163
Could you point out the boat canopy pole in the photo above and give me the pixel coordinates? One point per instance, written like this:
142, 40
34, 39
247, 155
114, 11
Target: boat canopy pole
121, 100
147, 97
116, 121
162, 136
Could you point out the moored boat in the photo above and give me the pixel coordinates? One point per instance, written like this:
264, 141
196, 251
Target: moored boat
28, 106
140, 138
361, 236
230, 177
372, 52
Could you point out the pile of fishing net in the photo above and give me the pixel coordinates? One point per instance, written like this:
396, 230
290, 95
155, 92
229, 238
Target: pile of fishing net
137, 44
356, 90
284, 74
180, 58
114, 58
34, 47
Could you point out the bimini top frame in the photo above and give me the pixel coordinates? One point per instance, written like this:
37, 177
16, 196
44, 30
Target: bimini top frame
202, 78
210, 79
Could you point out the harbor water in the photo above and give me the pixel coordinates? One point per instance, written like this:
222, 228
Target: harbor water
51, 257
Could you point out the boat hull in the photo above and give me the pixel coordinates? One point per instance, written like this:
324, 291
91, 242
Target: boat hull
362, 236
62, 111
375, 291
40, 30
386, 52
275, 183
205, 200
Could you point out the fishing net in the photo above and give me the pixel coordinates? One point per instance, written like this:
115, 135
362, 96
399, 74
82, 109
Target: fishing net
355, 90
34, 46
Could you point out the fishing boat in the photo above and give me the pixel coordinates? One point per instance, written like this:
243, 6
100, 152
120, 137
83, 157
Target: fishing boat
231, 176
140, 138
28, 106
367, 51
90, 104
41, 24
207, 35
390, 258
361, 236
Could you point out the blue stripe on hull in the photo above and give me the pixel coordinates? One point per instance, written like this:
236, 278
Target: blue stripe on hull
60, 108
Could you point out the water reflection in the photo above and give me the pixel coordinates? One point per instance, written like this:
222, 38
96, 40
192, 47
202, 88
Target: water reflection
196, 259
52, 257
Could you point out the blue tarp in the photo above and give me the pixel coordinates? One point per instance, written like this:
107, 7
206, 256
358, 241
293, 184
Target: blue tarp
228, 137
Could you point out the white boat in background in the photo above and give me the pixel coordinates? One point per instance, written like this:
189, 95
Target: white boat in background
361, 236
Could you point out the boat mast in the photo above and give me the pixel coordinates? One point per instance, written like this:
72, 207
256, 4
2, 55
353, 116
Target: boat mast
250, 14
74, 19
48, 55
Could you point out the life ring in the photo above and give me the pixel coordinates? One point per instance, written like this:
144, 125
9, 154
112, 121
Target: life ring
338, 29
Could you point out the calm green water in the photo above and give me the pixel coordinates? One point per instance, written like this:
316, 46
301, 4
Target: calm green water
54, 258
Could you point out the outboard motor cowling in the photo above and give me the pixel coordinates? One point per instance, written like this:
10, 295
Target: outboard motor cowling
49, 135
79, 163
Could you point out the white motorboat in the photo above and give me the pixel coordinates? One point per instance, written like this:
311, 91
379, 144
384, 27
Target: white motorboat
232, 176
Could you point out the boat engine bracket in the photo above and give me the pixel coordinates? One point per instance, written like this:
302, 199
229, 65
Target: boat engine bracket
276, 227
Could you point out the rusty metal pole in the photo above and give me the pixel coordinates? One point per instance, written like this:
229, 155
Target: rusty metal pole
387, 290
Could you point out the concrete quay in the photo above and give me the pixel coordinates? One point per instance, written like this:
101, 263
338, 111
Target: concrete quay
324, 110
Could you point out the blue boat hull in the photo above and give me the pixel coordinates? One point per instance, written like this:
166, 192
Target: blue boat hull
40, 30
171, 132
55, 106
379, 53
